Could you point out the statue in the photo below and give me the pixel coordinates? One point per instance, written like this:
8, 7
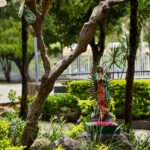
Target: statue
102, 95
102, 122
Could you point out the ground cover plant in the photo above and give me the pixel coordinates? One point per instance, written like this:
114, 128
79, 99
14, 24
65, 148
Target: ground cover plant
11, 128
52, 131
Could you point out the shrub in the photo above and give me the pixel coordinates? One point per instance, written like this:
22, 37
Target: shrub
12, 96
75, 130
5, 141
4, 128
59, 103
79, 89
141, 95
86, 108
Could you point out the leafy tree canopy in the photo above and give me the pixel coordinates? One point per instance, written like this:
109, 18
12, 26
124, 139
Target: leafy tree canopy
10, 39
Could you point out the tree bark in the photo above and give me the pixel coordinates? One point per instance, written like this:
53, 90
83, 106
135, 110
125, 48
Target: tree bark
86, 35
6, 66
23, 109
98, 49
131, 62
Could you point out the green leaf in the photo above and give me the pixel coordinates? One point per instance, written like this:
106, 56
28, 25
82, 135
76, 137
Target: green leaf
29, 16
15, 4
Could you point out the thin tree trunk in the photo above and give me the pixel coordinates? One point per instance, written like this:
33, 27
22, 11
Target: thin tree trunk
23, 109
6, 66
98, 49
131, 62
86, 35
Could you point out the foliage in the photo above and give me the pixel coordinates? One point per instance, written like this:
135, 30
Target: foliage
142, 143
75, 130
79, 89
54, 131
101, 147
86, 108
113, 57
59, 147
12, 96
10, 39
66, 20
141, 95
143, 12
59, 103
5, 140
15, 128
4, 128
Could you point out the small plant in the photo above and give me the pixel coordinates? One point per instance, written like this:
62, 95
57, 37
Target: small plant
86, 108
142, 143
5, 140
101, 147
12, 96
17, 130
4, 128
75, 130
59, 147
54, 132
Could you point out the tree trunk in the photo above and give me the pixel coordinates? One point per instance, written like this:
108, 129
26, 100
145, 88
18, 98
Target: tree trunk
6, 66
23, 109
131, 62
98, 50
86, 35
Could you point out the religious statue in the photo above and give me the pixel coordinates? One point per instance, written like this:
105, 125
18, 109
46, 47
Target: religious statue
101, 113
102, 120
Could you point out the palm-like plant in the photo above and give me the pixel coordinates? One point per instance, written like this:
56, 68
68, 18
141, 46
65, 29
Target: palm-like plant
143, 12
113, 58
124, 46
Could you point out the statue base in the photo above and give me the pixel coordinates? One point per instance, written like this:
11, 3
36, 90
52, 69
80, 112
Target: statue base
102, 127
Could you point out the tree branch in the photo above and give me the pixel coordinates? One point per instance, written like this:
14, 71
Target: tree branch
86, 35
114, 2
46, 5
32, 6
37, 30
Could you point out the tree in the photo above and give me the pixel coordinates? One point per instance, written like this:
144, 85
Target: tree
6, 66
138, 18
134, 38
47, 82
23, 108
10, 43
66, 19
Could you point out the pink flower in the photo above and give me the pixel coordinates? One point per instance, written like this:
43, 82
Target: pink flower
104, 123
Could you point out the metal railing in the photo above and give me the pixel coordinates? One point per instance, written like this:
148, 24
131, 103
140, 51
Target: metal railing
112, 75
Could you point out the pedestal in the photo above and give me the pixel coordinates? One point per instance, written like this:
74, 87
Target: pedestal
102, 127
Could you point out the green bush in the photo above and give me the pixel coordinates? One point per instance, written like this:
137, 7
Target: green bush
86, 108
59, 103
141, 95
79, 89
5, 140
74, 130
4, 128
